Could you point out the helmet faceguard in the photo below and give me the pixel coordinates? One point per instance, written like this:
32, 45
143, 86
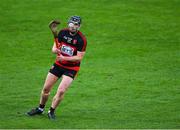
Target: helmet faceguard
74, 23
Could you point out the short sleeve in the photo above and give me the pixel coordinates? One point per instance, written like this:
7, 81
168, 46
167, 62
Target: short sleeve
82, 43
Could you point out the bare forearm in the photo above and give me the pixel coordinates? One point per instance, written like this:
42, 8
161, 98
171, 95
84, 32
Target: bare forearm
77, 57
54, 50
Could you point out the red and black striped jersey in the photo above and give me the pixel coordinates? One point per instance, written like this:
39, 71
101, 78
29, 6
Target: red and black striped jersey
69, 46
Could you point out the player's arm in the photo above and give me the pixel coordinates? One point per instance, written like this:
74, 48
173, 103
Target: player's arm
77, 57
53, 25
55, 50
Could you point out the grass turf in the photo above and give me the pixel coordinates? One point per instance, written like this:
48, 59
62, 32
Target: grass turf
129, 77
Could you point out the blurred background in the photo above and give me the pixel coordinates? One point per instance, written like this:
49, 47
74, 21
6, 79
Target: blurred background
129, 77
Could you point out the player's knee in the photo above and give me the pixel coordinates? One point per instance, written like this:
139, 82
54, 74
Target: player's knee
60, 97
45, 91
60, 92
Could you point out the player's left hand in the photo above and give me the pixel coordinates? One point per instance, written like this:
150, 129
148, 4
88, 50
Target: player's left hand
60, 58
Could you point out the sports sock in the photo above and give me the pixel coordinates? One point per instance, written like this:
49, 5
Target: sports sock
52, 110
41, 107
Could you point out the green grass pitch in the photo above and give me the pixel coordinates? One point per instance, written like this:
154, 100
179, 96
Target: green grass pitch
129, 78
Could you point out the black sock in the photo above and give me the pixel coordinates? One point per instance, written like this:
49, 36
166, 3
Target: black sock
52, 110
41, 106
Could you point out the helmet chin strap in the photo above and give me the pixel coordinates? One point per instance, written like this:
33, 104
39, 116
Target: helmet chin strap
79, 27
73, 33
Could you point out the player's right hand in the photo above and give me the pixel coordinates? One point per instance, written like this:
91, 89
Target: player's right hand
56, 51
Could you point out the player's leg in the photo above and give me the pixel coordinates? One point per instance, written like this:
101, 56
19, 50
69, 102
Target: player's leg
64, 85
49, 82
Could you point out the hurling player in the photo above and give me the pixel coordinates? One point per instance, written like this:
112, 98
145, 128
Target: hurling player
70, 48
